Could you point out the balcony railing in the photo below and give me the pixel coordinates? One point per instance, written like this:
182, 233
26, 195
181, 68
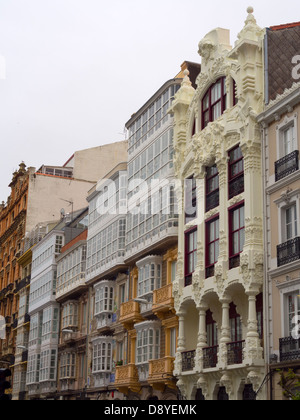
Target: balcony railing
130, 313
287, 165
127, 378
288, 252
210, 357
188, 360
289, 349
235, 352
163, 300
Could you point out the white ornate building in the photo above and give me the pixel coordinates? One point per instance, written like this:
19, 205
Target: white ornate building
219, 281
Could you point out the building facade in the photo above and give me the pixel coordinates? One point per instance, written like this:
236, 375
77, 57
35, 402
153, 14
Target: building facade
219, 282
147, 315
12, 232
280, 129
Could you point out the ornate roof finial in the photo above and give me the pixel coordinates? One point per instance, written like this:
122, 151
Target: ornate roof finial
251, 30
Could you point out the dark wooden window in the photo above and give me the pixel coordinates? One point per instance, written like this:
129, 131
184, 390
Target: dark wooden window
236, 234
212, 245
214, 102
190, 199
190, 255
212, 188
235, 172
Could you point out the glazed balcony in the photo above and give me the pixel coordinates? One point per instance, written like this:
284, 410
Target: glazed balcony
127, 378
161, 373
130, 313
163, 300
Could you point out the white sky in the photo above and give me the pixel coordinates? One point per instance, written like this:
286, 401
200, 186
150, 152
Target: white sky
76, 70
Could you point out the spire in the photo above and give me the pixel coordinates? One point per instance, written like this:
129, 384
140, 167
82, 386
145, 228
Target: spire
251, 30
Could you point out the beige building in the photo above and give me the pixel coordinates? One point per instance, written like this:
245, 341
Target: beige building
67, 186
281, 126
219, 281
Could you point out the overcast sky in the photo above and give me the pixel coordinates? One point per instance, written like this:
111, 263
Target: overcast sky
76, 70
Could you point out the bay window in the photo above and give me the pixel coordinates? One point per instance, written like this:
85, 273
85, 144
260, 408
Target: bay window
104, 297
70, 315
67, 365
149, 278
148, 341
102, 354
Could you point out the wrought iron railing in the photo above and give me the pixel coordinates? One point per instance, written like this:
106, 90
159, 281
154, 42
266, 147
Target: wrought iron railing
287, 165
235, 352
289, 349
210, 357
288, 252
188, 360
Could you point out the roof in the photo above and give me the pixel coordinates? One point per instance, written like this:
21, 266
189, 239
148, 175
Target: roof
283, 44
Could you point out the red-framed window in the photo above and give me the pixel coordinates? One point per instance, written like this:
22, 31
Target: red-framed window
235, 324
214, 102
235, 172
212, 245
190, 204
212, 188
190, 255
260, 315
211, 330
236, 234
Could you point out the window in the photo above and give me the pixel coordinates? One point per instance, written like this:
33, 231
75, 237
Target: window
212, 246
237, 235
288, 139
50, 323
148, 342
287, 148
214, 102
104, 297
211, 330
70, 315
293, 312
290, 222
102, 355
236, 172
58, 244
190, 199
149, 278
48, 365
190, 255
67, 365
212, 188
235, 324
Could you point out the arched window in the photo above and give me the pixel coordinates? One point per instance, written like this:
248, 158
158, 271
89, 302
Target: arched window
214, 102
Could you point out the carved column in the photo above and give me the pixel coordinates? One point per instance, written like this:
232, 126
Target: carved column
225, 332
253, 349
202, 338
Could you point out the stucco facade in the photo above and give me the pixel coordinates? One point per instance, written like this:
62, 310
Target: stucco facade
219, 282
